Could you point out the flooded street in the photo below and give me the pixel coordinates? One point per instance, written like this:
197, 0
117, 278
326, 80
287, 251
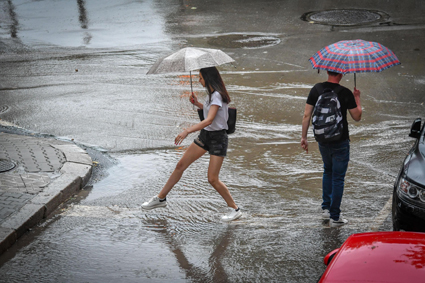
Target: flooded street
76, 70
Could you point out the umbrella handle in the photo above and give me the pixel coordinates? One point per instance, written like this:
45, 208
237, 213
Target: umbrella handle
355, 84
191, 88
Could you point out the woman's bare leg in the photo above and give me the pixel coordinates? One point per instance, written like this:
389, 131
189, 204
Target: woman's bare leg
213, 172
192, 153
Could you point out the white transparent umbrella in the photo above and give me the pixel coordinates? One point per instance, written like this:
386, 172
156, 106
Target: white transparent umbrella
189, 59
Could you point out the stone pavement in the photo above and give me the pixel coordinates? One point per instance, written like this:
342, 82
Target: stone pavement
37, 174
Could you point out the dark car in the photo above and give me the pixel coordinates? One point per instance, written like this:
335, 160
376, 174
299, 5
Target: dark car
408, 210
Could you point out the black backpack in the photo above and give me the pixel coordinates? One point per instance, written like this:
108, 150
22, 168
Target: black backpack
327, 115
231, 122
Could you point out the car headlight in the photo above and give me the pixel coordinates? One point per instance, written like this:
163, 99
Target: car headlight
411, 190
422, 195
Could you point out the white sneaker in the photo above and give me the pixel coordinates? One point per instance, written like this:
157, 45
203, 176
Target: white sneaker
154, 202
326, 214
337, 223
233, 215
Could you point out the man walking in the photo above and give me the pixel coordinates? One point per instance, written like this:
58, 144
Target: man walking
336, 153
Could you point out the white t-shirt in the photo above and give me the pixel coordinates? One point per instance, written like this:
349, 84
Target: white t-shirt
220, 120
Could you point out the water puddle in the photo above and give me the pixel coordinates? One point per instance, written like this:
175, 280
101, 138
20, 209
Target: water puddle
106, 236
249, 41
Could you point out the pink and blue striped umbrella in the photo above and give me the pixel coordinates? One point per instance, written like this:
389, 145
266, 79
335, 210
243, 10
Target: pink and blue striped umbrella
354, 56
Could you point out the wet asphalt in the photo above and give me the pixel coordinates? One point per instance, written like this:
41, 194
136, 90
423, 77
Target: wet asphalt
77, 70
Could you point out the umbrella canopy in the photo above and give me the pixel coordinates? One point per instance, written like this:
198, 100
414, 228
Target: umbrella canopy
189, 59
354, 56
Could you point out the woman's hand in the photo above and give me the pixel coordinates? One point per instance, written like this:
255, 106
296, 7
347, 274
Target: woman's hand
179, 139
193, 99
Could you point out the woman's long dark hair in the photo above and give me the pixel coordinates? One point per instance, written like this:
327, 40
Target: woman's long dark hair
213, 82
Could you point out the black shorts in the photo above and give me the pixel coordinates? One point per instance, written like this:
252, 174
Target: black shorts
215, 142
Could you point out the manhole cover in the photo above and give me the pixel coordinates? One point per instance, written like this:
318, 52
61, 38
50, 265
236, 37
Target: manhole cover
345, 17
244, 41
6, 165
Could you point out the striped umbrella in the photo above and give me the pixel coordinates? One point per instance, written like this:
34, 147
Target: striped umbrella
354, 56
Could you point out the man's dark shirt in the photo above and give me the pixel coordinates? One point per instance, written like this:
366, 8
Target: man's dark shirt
346, 99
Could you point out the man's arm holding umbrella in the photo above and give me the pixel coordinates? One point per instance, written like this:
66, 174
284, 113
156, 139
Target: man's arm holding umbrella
356, 113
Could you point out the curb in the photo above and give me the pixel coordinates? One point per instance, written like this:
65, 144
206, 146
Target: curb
75, 173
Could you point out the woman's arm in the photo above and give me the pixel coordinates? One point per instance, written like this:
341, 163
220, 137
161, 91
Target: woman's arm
206, 122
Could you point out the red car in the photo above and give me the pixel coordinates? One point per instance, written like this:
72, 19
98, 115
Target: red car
391, 257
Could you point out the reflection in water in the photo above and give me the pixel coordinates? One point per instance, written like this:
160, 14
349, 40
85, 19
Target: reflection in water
330, 239
83, 13
83, 20
219, 274
87, 38
12, 14
216, 271
184, 4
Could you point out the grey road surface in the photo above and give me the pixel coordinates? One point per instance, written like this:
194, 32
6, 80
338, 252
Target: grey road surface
77, 70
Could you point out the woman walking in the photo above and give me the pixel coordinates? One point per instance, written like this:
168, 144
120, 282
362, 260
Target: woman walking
212, 138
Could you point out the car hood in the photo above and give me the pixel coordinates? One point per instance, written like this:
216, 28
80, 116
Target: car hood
379, 257
414, 167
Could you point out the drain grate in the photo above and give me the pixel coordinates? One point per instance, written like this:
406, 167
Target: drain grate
6, 165
345, 17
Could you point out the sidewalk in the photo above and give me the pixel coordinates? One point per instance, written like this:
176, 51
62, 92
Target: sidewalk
37, 174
